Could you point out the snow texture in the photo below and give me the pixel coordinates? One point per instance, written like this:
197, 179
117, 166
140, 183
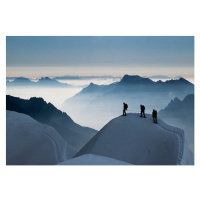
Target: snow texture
139, 141
89, 159
29, 142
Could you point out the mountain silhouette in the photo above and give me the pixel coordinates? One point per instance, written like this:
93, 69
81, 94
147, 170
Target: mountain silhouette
181, 114
179, 108
43, 82
92, 88
48, 82
135, 80
105, 102
46, 113
21, 81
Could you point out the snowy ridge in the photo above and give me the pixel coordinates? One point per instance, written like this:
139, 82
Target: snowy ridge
124, 140
30, 142
184, 154
139, 141
46, 113
178, 133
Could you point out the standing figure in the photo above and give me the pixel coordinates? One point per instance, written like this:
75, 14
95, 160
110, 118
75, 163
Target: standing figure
125, 107
142, 109
154, 115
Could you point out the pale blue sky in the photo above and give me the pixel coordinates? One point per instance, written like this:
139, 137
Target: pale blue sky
100, 55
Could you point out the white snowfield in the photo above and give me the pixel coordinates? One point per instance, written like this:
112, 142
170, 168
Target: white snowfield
29, 142
139, 141
123, 141
90, 159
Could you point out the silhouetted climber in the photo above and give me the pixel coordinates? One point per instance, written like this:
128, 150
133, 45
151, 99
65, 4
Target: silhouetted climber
124, 109
154, 115
142, 108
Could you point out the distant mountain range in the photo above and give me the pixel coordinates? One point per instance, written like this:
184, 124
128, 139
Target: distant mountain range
181, 114
130, 84
46, 113
21, 81
161, 77
177, 107
43, 82
54, 82
135, 90
82, 77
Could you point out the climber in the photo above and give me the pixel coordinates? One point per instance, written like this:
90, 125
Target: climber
154, 115
142, 109
125, 107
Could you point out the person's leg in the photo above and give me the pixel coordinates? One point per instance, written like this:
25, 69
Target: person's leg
144, 114
156, 120
123, 112
140, 113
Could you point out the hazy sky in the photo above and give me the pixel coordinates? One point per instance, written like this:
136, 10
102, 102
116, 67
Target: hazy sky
99, 55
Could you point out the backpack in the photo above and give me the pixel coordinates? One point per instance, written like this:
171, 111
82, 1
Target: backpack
142, 108
126, 106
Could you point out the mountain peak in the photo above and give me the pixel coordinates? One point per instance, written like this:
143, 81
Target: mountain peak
92, 88
183, 80
179, 81
47, 81
45, 78
130, 79
160, 81
92, 84
176, 99
131, 76
21, 78
40, 99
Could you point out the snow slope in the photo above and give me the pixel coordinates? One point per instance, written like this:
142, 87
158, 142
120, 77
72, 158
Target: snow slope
89, 159
46, 113
29, 142
139, 141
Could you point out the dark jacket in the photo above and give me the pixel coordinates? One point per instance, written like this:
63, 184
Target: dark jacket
125, 106
154, 113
